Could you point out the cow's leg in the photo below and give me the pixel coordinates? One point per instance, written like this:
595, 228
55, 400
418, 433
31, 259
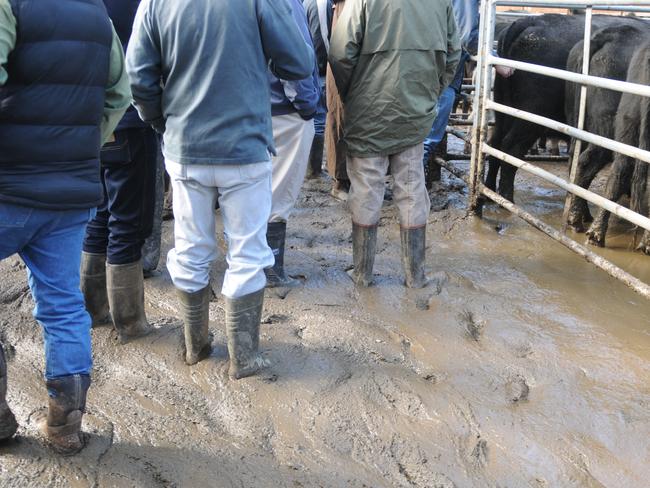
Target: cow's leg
517, 142
618, 184
591, 161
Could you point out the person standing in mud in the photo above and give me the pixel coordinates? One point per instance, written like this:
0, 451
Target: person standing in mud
111, 267
59, 101
391, 59
334, 142
293, 106
198, 73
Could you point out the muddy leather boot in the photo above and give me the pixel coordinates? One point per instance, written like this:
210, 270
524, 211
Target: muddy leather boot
316, 157
276, 235
8, 424
195, 308
125, 284
67, 403
243, 317
364, 246
93, 287
413, 249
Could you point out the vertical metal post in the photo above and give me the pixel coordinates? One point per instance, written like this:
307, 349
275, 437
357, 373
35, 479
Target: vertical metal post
481, 93
586, 54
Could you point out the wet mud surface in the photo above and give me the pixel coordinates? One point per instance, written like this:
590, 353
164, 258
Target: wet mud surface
519, 365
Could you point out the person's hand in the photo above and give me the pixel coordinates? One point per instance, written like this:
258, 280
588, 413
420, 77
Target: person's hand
504, 71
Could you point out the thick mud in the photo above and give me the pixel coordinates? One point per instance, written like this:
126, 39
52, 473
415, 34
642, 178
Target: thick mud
520, 365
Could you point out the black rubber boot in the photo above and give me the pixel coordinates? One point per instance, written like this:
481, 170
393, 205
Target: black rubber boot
67, 403
316, 157
413, 249
364, 246
276, 235
93, 286
125, 284
8, 424
243, 316
195, 308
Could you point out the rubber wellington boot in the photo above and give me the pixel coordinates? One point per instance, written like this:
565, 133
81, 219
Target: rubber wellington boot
8, 424
243, 317
93, 286
364, 245
67, 403
196, 311
413, 248
125, 284
316, 157
276, 235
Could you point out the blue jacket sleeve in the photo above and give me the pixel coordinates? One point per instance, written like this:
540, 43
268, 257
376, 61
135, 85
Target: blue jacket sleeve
290, 58
304, 94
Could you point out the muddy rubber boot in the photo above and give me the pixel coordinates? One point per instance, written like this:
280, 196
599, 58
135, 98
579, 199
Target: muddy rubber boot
125, 284
276, 235
316, 157
364, 246
413, 249
195, 308
243, 317
67, 403
93, 287
8, 424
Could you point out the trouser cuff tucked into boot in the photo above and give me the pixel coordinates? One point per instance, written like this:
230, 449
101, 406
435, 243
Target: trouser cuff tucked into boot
93, 287
125, 284
413, 256
67, 403
364, 246
195, 308
243, 317
8, 424
276, 235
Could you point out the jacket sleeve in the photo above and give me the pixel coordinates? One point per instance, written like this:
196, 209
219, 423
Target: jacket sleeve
118, 92
453, 49
345, 44
143, 65
7, 37
290, 57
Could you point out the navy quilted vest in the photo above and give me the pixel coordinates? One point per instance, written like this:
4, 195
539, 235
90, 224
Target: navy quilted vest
52, 105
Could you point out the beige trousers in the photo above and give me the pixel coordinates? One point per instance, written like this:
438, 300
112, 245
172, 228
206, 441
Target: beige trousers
367, 176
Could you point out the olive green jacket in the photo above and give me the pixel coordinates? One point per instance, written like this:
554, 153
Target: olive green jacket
391, 59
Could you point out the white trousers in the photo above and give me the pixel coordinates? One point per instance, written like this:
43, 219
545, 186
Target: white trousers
293, 137
367, 176
244, 193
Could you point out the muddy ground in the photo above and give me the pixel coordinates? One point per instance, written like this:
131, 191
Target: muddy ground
519, 366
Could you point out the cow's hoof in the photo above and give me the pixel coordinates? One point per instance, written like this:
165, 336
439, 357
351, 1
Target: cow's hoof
644, 245
595, 237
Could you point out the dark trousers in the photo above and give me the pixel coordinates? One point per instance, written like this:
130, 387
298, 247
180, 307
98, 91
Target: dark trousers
125, 218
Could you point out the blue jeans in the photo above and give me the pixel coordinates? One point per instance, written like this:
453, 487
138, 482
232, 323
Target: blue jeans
49, 243
321, 112
445, 106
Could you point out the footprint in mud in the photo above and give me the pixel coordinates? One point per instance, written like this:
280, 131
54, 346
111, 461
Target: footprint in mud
472, 325
517, 389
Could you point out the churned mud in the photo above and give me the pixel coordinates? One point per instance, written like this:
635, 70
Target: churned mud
519, 365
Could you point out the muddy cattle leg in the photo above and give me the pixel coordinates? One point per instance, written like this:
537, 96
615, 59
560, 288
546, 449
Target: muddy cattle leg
590, 162
493, 170
617, 186
516, 143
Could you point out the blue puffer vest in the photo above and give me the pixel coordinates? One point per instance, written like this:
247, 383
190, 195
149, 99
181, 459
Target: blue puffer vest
52, 105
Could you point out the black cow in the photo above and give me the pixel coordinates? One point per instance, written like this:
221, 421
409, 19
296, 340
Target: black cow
629, 176
612, 49
544, 40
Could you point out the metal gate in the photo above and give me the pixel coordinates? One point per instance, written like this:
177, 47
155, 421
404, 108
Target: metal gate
483, 102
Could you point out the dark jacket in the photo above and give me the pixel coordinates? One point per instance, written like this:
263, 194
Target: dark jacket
321, 42
122, 13
52, 105
300, 96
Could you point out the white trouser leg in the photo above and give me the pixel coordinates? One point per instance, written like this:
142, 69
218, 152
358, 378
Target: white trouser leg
245, 201
293, 137
409, 192
367, 176
195, 243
